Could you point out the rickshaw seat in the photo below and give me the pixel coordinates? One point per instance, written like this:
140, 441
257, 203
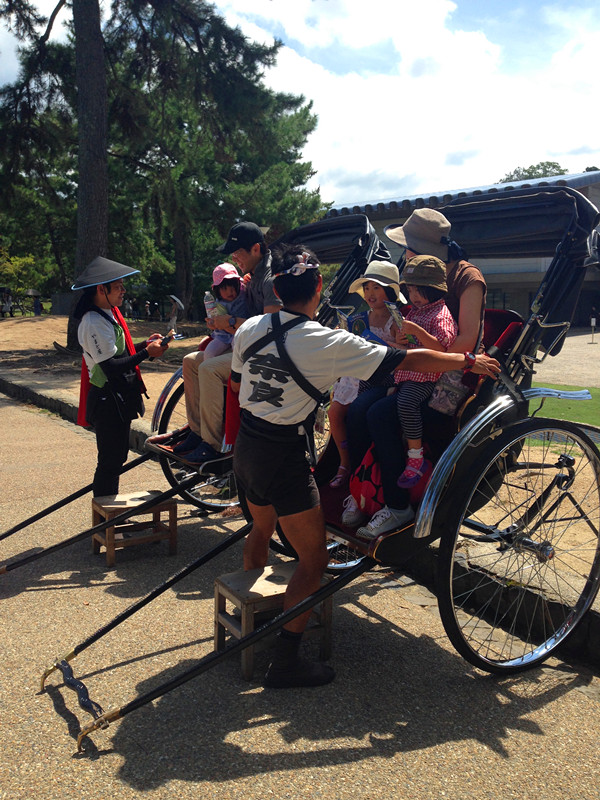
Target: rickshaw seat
232, 414
501, 328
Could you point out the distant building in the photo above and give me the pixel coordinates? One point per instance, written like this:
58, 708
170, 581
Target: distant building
512, 282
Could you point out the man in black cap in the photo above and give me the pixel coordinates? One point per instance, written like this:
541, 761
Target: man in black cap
204, 380
111, 384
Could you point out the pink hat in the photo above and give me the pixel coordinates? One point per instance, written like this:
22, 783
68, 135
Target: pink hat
222, 272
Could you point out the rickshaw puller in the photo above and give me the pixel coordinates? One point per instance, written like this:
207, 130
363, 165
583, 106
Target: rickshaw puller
277, 416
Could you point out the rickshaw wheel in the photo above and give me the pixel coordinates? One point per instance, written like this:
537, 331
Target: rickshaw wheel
213, 492
520, 555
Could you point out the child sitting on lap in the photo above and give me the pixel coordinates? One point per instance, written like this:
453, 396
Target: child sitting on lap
429, 321
231, 299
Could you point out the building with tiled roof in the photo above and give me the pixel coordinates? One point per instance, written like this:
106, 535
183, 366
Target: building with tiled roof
512, 282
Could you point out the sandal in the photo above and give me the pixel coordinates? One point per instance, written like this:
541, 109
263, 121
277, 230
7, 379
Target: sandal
341, 478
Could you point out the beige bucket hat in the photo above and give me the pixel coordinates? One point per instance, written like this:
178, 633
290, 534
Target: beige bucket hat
425, 232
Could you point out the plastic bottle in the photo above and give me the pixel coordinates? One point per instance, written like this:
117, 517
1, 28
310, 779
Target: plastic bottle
210, 304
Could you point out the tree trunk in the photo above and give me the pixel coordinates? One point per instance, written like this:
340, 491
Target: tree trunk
92, 189
184, 277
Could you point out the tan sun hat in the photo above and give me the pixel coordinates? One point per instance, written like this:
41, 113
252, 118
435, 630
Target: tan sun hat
425, 271
382, 272
425, 232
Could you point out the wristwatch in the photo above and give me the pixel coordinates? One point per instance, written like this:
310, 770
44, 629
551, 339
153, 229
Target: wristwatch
231, 322
470, 359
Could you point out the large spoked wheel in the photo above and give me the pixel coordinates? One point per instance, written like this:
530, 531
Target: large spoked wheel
214, 492
519, 556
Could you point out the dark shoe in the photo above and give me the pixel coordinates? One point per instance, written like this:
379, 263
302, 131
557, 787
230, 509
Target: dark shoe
191, 441
299, 673
203, 452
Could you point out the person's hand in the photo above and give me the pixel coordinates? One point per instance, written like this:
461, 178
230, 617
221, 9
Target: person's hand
155, 348
408, 333
218, 323
154, 337
485, 365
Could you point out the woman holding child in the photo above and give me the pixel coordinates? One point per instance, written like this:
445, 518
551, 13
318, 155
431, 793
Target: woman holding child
372, 419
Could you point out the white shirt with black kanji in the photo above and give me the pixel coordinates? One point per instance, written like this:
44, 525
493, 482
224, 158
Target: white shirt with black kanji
322, 355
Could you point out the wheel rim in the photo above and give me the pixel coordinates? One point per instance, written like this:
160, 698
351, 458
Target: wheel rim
213, 492
524, 565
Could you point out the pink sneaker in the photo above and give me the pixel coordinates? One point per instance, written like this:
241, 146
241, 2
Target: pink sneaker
413, 473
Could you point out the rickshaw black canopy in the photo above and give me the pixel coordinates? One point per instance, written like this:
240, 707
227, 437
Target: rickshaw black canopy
522, 222
333, 240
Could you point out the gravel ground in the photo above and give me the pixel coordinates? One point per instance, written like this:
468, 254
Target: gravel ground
406, 716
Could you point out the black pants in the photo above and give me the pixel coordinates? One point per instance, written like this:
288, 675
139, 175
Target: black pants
112, 441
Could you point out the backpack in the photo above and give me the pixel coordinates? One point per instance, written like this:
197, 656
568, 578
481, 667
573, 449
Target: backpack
365, 484
367, 489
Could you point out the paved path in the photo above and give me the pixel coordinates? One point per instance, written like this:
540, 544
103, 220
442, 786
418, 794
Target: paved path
406, 717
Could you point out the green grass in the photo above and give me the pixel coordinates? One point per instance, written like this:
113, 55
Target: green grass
584, 411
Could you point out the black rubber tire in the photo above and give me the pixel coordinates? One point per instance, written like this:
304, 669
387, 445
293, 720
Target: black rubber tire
508, 603
213, 492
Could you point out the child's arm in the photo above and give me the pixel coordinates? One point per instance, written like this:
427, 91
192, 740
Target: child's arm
425, 339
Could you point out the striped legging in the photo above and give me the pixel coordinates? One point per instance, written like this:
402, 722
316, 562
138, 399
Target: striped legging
409, 397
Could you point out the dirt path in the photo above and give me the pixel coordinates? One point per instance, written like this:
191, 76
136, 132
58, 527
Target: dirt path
27, 343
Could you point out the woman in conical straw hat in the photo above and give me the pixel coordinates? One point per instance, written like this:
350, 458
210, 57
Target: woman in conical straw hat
111, 384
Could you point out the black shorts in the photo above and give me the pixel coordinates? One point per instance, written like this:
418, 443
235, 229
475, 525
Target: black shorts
274, 472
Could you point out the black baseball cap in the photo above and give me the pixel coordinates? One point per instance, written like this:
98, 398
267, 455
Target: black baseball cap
243, 234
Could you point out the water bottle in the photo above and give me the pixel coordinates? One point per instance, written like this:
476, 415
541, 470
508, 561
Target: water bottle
210, 304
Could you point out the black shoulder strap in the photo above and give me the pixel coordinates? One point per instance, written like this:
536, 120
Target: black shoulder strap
103, 313
270, 336
305, 385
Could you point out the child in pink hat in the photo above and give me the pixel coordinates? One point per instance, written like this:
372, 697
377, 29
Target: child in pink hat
230, 295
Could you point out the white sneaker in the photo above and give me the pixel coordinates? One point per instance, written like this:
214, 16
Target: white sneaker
386, 520
352, 516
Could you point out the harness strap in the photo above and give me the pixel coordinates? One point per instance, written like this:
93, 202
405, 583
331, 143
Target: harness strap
319, 397
270, 337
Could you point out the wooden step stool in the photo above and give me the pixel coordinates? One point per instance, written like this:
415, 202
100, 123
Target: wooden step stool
257, 591
109, 506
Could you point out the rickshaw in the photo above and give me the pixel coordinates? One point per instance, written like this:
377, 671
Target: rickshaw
514, 498
510, 516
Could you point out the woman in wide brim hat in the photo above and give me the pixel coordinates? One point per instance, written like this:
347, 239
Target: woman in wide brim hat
111, 384
427, 233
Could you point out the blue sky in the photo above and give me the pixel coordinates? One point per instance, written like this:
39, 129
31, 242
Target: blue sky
422, 97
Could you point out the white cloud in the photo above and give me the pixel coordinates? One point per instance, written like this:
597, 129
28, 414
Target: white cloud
449, 114
442, 107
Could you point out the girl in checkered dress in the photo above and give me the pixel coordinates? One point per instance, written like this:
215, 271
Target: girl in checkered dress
427, 324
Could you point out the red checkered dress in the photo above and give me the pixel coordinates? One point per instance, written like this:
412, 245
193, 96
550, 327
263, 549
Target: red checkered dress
437, 320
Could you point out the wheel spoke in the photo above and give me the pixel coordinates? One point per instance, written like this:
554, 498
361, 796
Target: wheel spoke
213, 492
522, 563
